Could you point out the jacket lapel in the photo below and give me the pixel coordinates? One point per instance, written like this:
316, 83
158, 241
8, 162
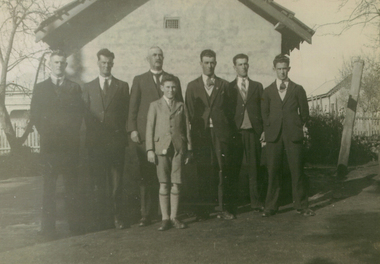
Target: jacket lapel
163, 105
97, 94
238, 90
216, 90
176, 106
289, 91
111, 92
202, 91
273, 86
251, 89
152, 84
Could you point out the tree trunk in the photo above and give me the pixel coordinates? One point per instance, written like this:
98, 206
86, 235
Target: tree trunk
6, 125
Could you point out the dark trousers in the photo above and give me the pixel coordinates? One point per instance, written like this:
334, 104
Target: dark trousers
247, 152
106, 167
214, 170
148, 184
56, 164
275, 153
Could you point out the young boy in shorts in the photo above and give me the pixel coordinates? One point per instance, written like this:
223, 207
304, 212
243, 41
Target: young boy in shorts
168, 145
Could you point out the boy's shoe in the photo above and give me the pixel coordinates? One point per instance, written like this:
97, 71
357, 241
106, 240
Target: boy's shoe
165, 225
177, 224
226, 215
306, 212
144, 221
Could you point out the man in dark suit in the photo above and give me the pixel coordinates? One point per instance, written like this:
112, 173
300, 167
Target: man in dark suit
106, 99
146, 89
57, 113
246, 97
285, 111
210, 115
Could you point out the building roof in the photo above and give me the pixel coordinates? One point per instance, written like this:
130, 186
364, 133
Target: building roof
324, 90
61, 29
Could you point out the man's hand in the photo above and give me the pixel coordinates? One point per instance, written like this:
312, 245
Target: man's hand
262, 138
135, 137
305, 131
189, 157
151, 156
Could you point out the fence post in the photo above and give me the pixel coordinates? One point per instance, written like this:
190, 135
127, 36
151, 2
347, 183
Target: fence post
349, 120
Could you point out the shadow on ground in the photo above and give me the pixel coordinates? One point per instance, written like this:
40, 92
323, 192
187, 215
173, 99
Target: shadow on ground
358, 232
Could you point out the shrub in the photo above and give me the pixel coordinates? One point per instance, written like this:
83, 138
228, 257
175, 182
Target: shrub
324, 139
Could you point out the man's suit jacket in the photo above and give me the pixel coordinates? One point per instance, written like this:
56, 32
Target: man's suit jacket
218, 106
106, 116
165, 126
57, 113
143, 92
287, 116
252, 104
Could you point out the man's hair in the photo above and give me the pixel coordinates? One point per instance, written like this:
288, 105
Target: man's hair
155, 47
106, 53
58, 52
208, 53
281, 58
240, 56
169, 78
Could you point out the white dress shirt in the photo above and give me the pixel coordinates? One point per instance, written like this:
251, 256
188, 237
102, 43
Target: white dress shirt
239, 82
102, 79
57, 80
282, 94
157, 72
208, 91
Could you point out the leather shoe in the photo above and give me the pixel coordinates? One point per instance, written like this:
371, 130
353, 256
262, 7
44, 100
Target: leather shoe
165, 225
258, 209
306, 212
145, 221
202, 217
120, 224
226, 215
177, 224
268, 213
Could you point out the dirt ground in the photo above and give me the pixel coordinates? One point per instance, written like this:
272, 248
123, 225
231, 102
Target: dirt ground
346, 229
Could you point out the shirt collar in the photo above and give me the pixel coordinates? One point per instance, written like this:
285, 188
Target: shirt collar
205, 77
156, 72
278, 83
55, 78
240, 79
102, 78
168, 101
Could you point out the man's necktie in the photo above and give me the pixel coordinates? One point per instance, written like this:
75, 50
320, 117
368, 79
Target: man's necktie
209, 83
157, 81
282, 87
244, 89
105, 87
170, 103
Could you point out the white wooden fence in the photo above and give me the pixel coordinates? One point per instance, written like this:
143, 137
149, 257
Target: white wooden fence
367, 126
33, 140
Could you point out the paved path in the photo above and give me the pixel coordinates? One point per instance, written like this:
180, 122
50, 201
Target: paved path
346, 229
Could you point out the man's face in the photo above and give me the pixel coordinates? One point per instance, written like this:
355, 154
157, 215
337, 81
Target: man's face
155, 59
58, 65
208, 65
105, 65
282, 69
169, 89
241, 67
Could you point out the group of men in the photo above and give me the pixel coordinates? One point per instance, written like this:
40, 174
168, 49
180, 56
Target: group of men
227, 125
